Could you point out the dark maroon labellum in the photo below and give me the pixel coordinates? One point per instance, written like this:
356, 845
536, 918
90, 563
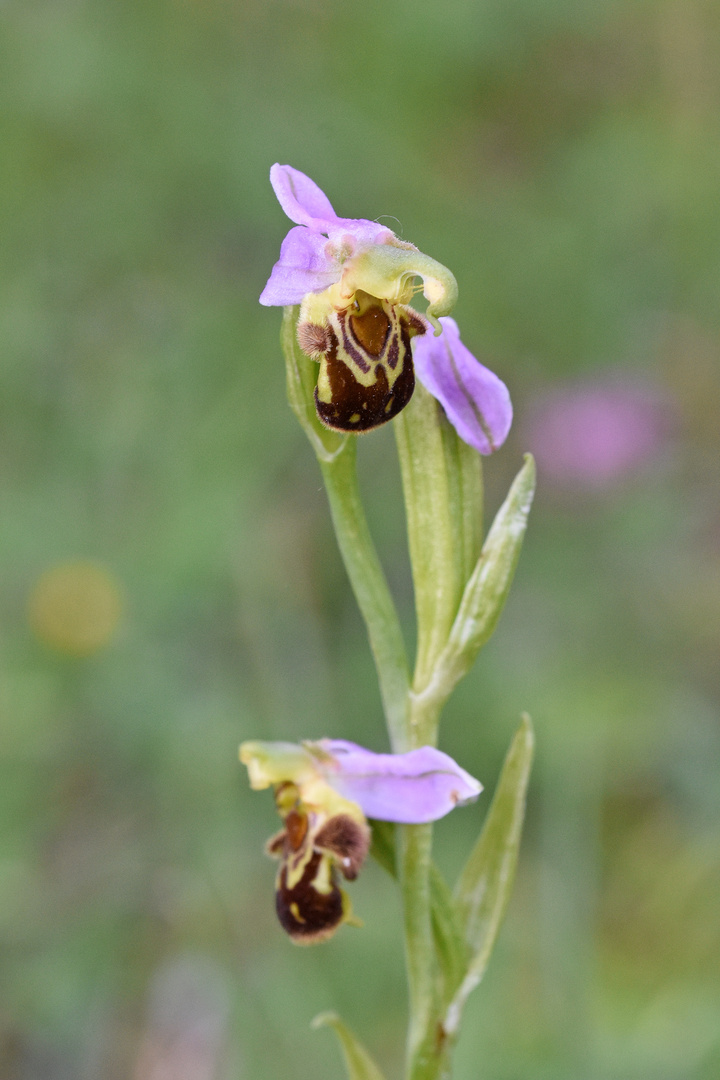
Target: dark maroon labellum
366, 370
308, 899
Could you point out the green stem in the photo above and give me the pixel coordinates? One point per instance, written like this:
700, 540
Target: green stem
424, 1050
370, 588
442, 485
414, 850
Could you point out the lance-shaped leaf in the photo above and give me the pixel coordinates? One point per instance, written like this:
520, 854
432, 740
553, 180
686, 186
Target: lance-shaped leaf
359, 1064
450, 947
301, 374
486, 591
431, 487
484, 887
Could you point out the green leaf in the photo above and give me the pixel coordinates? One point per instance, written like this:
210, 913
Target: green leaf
301, 373
486, 591
484, 887
370, 587
382, 847
431, 522
359, 1064
450, 948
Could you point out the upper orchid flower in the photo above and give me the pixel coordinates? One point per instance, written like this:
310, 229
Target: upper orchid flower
353, 279
324, 791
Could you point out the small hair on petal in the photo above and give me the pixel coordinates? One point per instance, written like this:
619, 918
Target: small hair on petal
417, 322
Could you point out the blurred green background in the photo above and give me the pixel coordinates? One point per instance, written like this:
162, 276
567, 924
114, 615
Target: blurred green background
563, 158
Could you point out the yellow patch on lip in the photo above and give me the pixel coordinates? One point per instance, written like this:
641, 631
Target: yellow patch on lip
295, 912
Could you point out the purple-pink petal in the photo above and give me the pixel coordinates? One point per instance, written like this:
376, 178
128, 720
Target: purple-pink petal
301, 198
476, 401
306, 204
364, 233
304, 266
413, 788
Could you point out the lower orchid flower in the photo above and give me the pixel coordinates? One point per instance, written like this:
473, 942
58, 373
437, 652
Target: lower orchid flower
324, 793
354, 280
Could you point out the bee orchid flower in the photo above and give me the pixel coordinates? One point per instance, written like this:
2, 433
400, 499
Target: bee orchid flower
354, 279
324, 792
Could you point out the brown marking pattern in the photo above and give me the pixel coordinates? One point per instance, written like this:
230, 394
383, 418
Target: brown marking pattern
347, 840
352, 347
354, 407
371, 330
297, 827
316, 915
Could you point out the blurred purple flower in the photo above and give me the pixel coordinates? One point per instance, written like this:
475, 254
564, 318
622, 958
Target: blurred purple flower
476, 401
598, 433
187, 1022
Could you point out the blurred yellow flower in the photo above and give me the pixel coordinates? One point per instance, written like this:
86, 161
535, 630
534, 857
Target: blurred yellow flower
75, 607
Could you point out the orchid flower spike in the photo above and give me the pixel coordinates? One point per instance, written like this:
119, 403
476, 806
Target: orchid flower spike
353, 279
324, 792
